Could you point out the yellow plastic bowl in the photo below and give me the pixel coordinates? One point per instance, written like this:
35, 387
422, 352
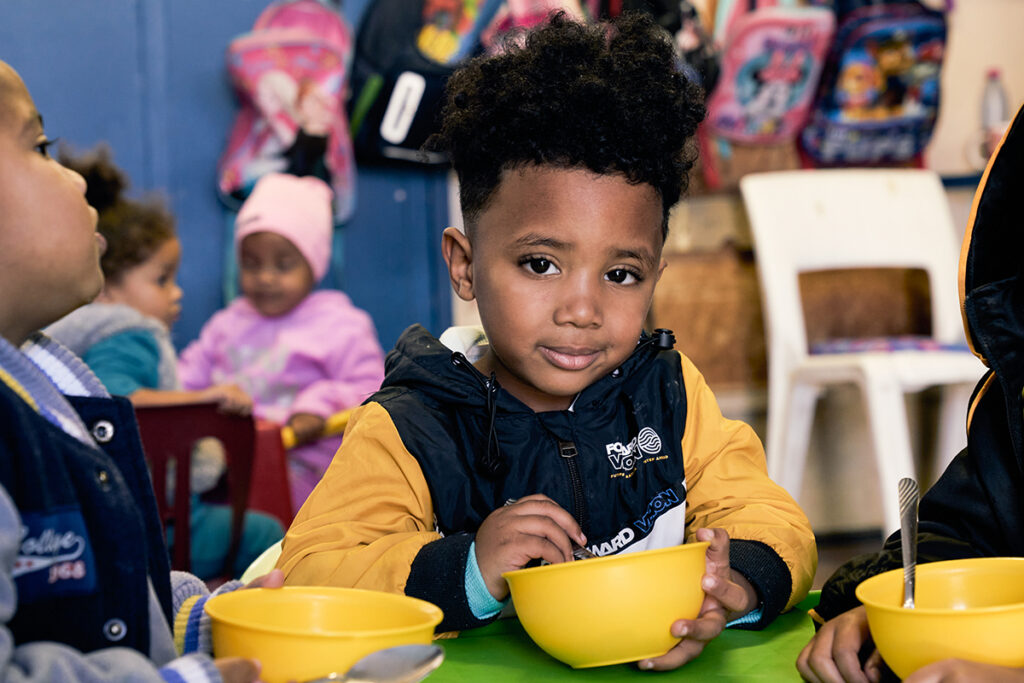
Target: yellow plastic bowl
969, 609
609, 610
303, 632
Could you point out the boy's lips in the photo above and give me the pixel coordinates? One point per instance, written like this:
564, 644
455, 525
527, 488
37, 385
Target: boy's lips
569, 358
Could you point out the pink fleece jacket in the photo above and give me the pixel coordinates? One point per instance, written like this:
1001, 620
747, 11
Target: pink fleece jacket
321, 357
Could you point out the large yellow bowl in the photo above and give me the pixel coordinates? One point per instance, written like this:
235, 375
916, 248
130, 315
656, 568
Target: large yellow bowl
301, 632
969, 609
609, 610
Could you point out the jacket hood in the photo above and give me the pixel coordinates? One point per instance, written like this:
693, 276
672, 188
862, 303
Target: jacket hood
991, 261
419, 360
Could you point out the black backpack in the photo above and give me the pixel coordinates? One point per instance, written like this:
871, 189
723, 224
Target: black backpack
397, 91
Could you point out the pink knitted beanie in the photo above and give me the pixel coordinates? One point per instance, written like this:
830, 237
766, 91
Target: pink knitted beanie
298, 209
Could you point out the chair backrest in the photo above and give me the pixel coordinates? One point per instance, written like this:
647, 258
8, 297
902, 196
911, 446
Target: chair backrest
849, 218
168, 434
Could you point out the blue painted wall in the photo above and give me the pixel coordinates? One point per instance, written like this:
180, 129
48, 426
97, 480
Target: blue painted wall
148, 76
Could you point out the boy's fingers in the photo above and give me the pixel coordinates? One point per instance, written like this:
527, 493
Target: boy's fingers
682, 653
718, 551
237, 669
815, 662
272, 579
544, 527
541, 505
540, 547
704, 628
728, 594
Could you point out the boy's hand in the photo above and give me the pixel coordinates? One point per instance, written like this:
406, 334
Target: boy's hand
727, 595
307, 427
833, 654
230, 398
530, 528
272, 579
238, 669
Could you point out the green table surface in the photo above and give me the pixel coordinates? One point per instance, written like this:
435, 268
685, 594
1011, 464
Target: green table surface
503, 652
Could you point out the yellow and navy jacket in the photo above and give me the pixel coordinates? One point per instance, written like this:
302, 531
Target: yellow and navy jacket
642, 459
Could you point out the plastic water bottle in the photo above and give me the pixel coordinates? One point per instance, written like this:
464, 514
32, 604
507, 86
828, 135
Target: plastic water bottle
995, 110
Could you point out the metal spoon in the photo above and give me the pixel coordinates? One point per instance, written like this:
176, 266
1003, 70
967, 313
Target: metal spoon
909, 493
399, 664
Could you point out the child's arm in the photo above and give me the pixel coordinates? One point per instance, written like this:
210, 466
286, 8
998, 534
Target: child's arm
231, 398
49, 661
771, 542
197, 360
369, 523
353, 370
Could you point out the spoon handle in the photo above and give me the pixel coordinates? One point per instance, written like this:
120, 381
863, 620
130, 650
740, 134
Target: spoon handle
909, 493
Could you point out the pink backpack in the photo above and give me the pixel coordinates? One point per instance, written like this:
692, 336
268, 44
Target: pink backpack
293, 66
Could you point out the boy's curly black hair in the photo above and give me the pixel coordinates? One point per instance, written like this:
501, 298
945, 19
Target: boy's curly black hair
134, 229
607, 97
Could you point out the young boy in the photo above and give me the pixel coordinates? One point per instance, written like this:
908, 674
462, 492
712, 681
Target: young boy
86, 592
974, 510
571, 426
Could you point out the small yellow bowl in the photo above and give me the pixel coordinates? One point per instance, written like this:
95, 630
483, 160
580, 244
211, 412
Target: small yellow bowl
610, 610
969, 609
304, 632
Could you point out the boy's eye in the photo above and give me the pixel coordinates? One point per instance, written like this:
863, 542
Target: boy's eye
622, 276
540, 266
43, 147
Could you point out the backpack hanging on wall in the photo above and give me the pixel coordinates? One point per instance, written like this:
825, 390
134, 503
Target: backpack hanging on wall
291, 68
698, 56
879, 96
405, 52
772, 60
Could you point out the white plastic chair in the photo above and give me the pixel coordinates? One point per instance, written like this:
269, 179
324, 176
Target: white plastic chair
856, 218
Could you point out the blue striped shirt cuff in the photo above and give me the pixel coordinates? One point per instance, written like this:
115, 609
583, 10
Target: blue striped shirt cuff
481, 602
748, 618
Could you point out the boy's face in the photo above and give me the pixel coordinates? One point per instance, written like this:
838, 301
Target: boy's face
151, 287
49, 247
563, 264
275, 276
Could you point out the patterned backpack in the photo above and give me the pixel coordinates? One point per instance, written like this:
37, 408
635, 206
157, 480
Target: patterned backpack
772, 60
291, 72
879, 97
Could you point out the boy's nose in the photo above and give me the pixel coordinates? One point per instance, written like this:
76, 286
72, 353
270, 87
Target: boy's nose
580, 306
76, 178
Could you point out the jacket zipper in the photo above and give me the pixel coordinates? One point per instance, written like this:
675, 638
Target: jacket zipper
567, 450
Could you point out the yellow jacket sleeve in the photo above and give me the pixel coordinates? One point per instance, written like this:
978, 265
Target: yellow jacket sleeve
727, 486
368, 517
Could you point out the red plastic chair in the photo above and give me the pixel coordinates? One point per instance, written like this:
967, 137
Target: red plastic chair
168, 434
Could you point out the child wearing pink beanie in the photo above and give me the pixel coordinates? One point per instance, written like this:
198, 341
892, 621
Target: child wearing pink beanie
301, 354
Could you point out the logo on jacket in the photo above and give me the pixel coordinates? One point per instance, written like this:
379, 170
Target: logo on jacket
624, 457
54, 556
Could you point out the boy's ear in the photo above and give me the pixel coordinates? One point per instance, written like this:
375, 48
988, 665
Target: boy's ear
458, 254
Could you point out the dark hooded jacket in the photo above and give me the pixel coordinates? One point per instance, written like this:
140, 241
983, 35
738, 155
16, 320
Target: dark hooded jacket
642, 459
976, 509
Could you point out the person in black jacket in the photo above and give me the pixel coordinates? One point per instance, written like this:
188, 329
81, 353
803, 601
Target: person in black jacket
975, 509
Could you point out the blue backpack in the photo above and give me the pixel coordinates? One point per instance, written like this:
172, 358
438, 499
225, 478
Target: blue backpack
878, 100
